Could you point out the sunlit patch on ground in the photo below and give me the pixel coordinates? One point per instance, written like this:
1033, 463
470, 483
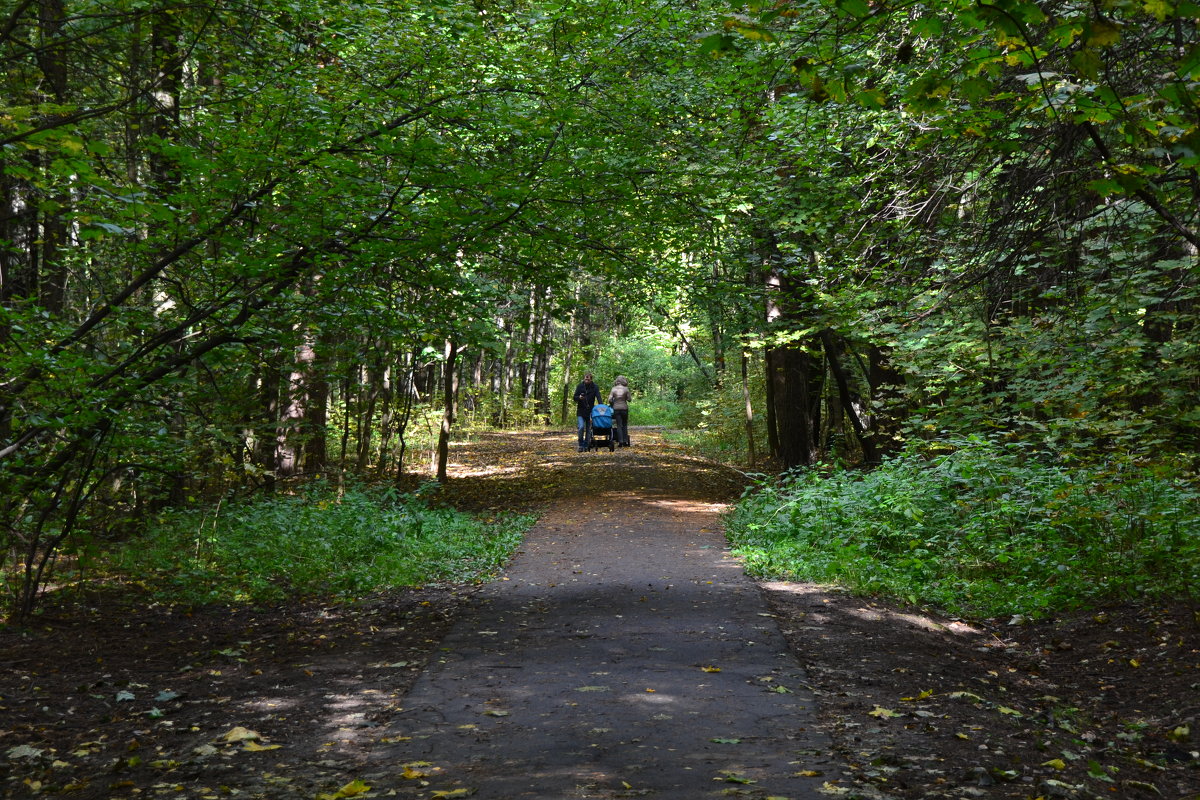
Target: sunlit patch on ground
876, 613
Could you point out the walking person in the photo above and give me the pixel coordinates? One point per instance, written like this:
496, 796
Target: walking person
618, 398
586, 396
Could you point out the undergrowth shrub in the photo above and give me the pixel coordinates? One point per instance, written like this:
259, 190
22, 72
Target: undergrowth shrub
315, 542
714, 424
986, 528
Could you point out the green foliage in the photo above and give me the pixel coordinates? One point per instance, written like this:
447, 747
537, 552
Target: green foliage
715, 423
983, 528
658, 374
318, 541
658, 410
649, 360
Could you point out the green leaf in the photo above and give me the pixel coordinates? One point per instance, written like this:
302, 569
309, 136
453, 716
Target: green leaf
1106, 187
871, 98
928, 26
856, 8
1102, 33
716, 43
1189, 65
975, 89
1087, 63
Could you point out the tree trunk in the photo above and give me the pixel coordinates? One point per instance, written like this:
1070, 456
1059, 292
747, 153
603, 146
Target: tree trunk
53, 64
316, 416
288, 448
450, 389
373, 384
796, 420
265, 437
769, 387
387, 394
750, 453
794, 415
886, 386
541, 358
852, 403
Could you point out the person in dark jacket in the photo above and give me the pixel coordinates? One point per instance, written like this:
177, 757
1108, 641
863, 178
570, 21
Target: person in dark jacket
618, 398
586, 396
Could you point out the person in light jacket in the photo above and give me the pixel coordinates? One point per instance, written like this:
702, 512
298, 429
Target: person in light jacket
618, 398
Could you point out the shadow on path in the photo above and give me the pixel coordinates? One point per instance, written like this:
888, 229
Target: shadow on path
623, 654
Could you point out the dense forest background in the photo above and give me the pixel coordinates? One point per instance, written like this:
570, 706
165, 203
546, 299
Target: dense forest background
246, 244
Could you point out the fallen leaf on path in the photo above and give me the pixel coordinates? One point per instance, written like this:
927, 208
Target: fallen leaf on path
23, 751
445, 794
733, 777
255, 747
1147, 787
882, 713
240, 734
352, 789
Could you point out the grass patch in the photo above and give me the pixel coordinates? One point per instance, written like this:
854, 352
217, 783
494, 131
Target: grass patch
315, 542
984, 528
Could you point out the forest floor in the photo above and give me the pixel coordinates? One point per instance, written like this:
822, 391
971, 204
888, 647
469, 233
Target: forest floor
112, 695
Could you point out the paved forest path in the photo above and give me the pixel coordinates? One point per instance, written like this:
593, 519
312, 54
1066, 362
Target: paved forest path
623, 654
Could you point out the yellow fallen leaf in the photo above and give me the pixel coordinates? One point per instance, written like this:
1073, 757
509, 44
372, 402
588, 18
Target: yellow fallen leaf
711, 669
1012, 712
1057, 763
809, 773
240, 734
353, 789
444, 794
882, 713
413, 774
254, 747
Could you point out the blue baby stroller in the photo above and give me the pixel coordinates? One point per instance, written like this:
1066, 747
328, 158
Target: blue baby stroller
602, 427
